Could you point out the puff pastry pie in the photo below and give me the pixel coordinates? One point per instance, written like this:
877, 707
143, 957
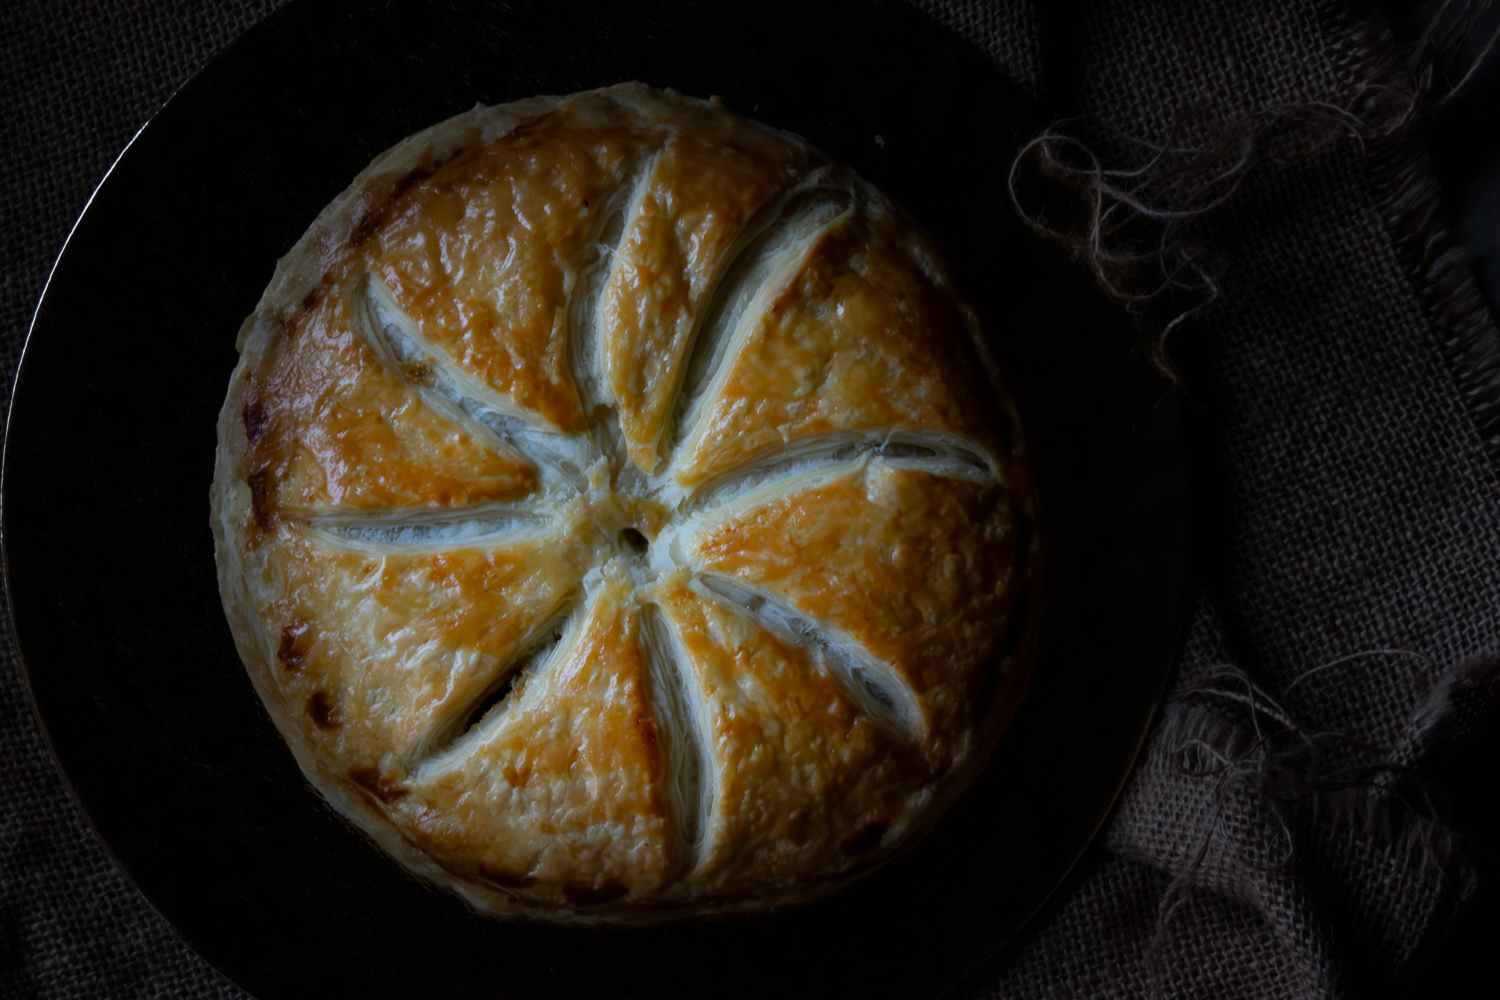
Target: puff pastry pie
618, 514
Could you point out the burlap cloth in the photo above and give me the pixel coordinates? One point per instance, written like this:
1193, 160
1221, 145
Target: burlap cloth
1277, 838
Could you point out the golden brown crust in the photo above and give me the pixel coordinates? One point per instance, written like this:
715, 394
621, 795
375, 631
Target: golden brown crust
612, 513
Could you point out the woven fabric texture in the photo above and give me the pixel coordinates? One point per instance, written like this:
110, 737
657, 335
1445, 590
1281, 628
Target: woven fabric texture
1343, 412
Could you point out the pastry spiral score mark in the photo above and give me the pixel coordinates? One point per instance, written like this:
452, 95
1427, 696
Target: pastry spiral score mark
764, 260
454, 736
938, 454
588, 276
415, 530
872, 685
447, 388
685, 737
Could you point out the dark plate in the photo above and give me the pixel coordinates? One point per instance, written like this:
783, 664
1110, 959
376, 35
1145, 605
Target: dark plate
110, 451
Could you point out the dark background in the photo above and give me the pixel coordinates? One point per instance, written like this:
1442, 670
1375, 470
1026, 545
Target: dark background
1463, 140
65, 117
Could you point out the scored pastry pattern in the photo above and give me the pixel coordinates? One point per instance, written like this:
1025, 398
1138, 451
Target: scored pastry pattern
625, 521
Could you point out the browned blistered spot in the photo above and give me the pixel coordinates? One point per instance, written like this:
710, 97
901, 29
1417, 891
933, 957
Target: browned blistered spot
368, 777
323, 710
365, 227
293, 652
260, 496
646, 727
255, 417
594, 895
289, 322
311, 299
527, 129
863, 839
515, 778
414, 176
503, 878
